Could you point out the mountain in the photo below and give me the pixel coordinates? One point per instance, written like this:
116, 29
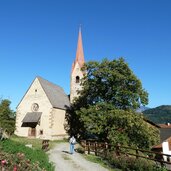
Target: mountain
159, 115
142, 108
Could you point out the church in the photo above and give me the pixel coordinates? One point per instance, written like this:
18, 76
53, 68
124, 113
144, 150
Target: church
41, 111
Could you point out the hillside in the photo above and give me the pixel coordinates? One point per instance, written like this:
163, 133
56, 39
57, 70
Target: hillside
142, 108
159, 115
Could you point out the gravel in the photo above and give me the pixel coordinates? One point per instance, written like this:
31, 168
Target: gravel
64, 161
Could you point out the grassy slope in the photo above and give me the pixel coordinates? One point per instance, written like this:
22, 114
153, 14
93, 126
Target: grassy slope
16, 145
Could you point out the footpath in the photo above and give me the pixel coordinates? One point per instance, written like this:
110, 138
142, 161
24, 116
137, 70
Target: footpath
64, 161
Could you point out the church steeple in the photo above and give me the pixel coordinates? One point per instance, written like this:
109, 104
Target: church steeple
79, 53
76, 73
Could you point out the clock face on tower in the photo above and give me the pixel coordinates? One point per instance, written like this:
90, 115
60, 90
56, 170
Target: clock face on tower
35, 107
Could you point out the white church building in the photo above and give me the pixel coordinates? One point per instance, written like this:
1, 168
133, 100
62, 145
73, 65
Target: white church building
41, 111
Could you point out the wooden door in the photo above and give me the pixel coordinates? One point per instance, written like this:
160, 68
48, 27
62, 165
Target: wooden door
32, 132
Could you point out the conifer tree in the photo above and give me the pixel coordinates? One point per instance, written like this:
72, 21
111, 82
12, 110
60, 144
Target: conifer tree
6, 116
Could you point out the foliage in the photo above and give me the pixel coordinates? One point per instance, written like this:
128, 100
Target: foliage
101, 161
33, 155
7, 121
106, 106
74, 126
17, 162
111, 82
106, 82
118, 126
128, 163
159, 115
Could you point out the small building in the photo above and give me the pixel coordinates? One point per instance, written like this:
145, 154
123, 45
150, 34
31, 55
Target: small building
165, 131
165, 136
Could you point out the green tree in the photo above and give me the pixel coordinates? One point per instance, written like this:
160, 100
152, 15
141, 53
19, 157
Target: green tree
112, 82
7, 121
118, 126
106, 106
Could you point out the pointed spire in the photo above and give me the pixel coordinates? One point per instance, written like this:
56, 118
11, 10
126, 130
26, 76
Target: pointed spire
80, 53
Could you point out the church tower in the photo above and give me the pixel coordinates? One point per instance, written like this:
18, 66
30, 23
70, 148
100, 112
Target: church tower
76, 73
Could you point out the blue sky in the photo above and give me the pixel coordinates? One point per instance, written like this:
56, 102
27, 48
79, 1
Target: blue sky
39, 37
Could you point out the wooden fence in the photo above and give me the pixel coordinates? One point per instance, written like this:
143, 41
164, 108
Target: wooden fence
99, 148
45, 145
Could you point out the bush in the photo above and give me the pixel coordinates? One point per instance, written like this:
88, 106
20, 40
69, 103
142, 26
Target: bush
80, 150
18, 162
128, 163
8, 126
36, 157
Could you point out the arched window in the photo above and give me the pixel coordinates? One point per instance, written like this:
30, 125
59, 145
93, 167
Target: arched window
77, 79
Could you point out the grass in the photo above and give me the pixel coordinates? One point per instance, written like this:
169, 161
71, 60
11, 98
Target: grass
16, 145
36, 143
99, 160
34, 155
96, 159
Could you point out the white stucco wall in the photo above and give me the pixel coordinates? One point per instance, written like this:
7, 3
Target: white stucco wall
35, 94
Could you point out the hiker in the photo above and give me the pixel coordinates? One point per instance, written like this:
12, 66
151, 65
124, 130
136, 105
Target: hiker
72, 142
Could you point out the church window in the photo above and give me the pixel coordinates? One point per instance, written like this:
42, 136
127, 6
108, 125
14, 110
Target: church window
41, 132
35, 90
77, 79
35, 107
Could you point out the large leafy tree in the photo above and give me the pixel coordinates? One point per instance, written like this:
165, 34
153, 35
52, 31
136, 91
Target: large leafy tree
112, 82
118, 126
106, 105
7, 115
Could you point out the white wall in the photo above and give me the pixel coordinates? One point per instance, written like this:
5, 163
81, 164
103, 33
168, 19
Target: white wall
33, 96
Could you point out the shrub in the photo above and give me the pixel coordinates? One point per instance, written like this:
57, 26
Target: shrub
80, 150
18, 162
128, 163
36, 157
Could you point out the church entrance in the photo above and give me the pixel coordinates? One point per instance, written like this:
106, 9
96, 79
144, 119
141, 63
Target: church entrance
32, 132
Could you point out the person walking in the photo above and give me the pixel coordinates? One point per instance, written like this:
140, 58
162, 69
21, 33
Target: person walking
72, 142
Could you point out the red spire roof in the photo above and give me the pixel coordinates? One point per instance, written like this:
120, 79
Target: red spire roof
79, 54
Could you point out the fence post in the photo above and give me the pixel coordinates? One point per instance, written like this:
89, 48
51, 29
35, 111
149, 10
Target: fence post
161, 162
88, 147
106, 149
95, 148
118, 149
137, 153
85, 147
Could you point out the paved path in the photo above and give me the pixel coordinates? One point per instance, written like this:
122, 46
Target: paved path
64, 161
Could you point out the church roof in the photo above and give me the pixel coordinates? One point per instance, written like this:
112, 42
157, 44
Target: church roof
55, 94
80, 53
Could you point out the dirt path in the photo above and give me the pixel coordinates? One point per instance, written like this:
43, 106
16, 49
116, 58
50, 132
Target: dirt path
64, 161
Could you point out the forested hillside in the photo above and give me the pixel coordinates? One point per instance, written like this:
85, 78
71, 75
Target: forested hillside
159, 115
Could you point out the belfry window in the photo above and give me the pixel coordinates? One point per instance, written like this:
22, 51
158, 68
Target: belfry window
77, 79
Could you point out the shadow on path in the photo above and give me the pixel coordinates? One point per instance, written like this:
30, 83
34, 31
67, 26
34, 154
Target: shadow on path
66, 152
